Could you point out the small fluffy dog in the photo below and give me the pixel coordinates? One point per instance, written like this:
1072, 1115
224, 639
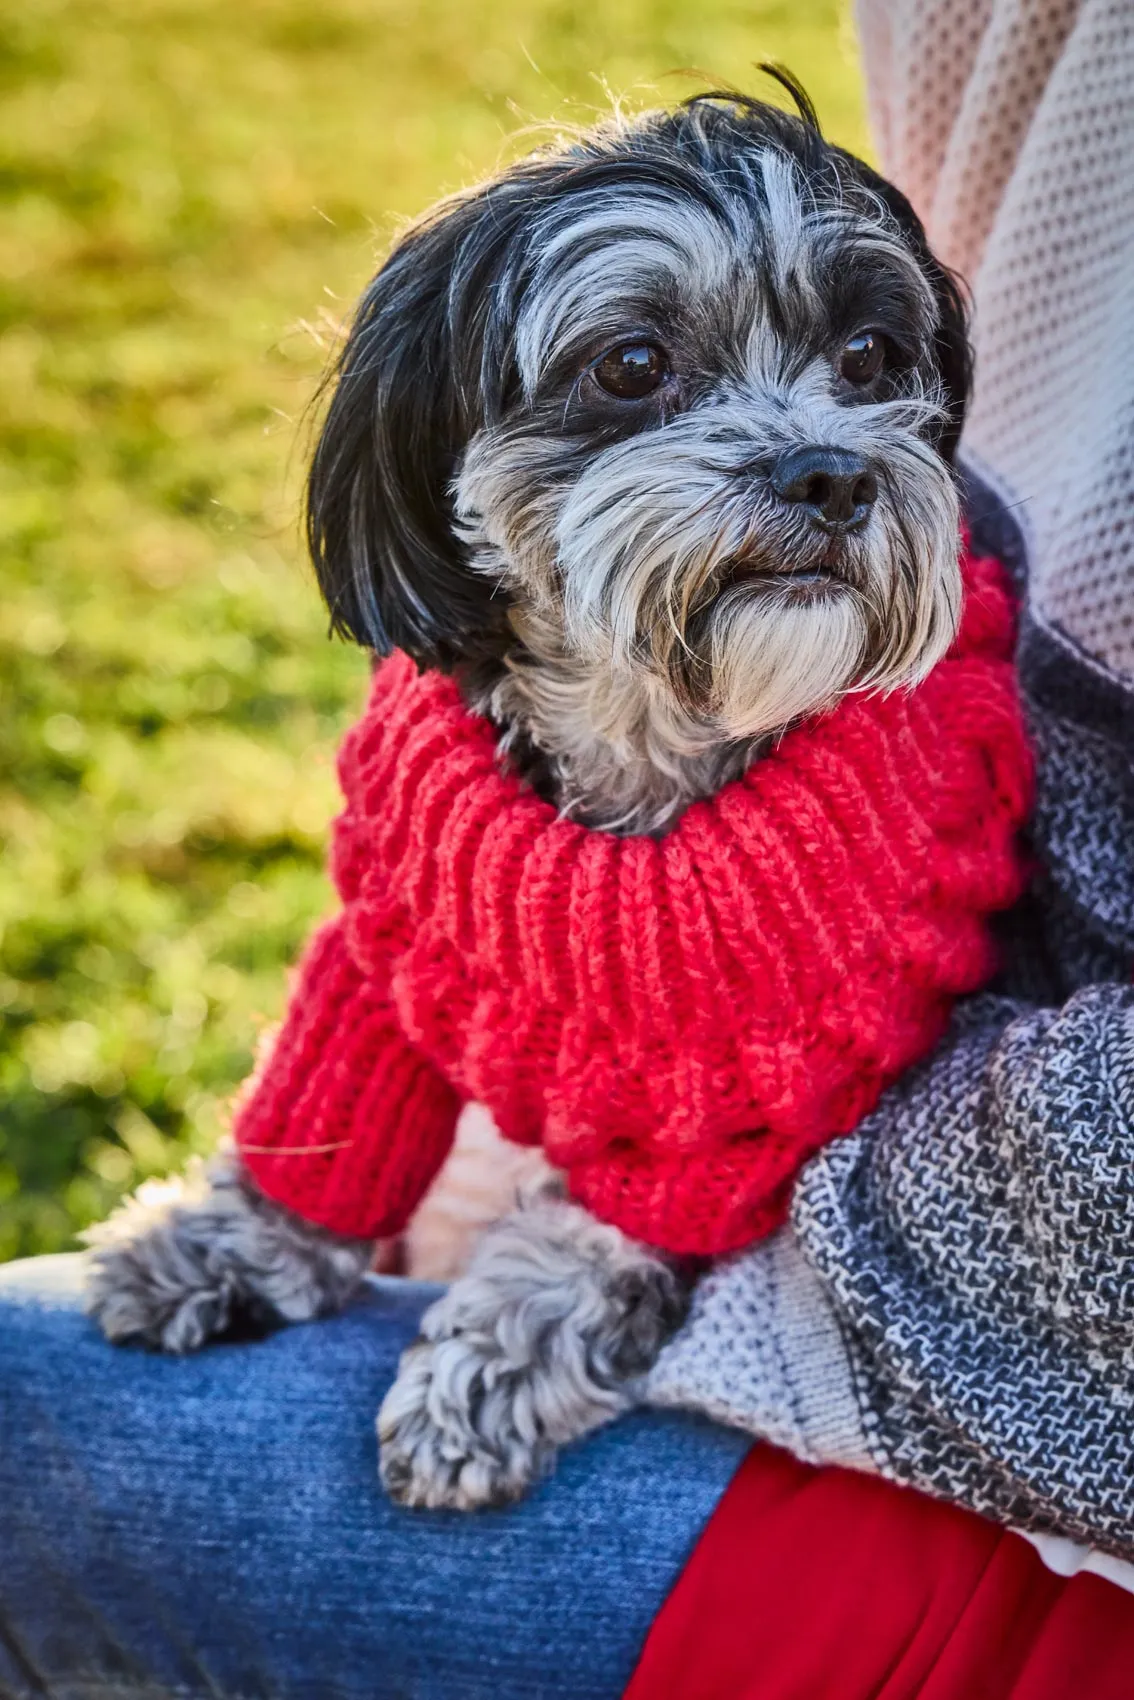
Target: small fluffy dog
648, 440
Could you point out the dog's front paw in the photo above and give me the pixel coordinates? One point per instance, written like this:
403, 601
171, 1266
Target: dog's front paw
186, 1259
540, 1342
151, 1278
452, 1429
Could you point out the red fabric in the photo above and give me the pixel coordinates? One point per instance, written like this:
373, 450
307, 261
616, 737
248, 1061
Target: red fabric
682, 1021
820, 1584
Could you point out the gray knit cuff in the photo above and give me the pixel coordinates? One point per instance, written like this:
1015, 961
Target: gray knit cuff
762, 1350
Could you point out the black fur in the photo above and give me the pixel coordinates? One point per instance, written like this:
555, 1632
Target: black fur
951, 343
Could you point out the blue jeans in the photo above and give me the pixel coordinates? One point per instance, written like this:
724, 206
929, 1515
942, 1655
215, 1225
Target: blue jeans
213, 1526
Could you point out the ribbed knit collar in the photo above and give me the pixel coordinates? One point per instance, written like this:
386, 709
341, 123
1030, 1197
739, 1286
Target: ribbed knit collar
828, 847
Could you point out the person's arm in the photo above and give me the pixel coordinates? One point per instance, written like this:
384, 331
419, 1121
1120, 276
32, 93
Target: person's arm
953, 1305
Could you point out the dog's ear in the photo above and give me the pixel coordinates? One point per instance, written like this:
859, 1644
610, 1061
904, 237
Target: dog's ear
425, 358
952, 348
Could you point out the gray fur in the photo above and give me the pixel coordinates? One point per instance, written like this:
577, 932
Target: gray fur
542, 1340
184, 1259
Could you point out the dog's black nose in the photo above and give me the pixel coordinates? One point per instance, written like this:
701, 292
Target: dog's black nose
837, 488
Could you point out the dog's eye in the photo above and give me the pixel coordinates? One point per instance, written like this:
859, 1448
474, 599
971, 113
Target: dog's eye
863, 357
631, 370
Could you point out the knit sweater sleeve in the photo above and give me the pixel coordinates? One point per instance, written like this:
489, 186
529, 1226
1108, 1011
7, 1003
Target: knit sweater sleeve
344, 1122
952, 1305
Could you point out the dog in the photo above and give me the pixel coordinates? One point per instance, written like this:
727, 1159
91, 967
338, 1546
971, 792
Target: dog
648, 441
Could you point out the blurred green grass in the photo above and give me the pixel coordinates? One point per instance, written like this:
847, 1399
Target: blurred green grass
193, 193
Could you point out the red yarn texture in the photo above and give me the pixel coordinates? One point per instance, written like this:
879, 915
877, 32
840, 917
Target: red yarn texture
681, 1022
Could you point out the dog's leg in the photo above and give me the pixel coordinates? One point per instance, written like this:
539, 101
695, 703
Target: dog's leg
540, 1341
183, 1259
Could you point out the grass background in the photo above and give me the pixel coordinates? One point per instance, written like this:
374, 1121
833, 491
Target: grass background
193, 192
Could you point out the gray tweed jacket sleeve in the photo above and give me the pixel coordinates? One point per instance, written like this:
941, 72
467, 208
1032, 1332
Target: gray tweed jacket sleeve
953, 1302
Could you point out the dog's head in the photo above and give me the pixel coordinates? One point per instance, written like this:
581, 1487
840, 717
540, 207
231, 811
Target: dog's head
677, 401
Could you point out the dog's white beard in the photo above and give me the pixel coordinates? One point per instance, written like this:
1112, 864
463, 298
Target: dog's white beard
773, 657
643, 542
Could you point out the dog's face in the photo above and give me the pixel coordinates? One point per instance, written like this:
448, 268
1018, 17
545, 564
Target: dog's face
672, 410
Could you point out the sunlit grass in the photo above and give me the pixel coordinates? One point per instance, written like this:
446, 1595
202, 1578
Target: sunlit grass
193, 193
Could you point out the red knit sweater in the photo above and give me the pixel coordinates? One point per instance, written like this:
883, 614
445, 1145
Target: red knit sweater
681, 1021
